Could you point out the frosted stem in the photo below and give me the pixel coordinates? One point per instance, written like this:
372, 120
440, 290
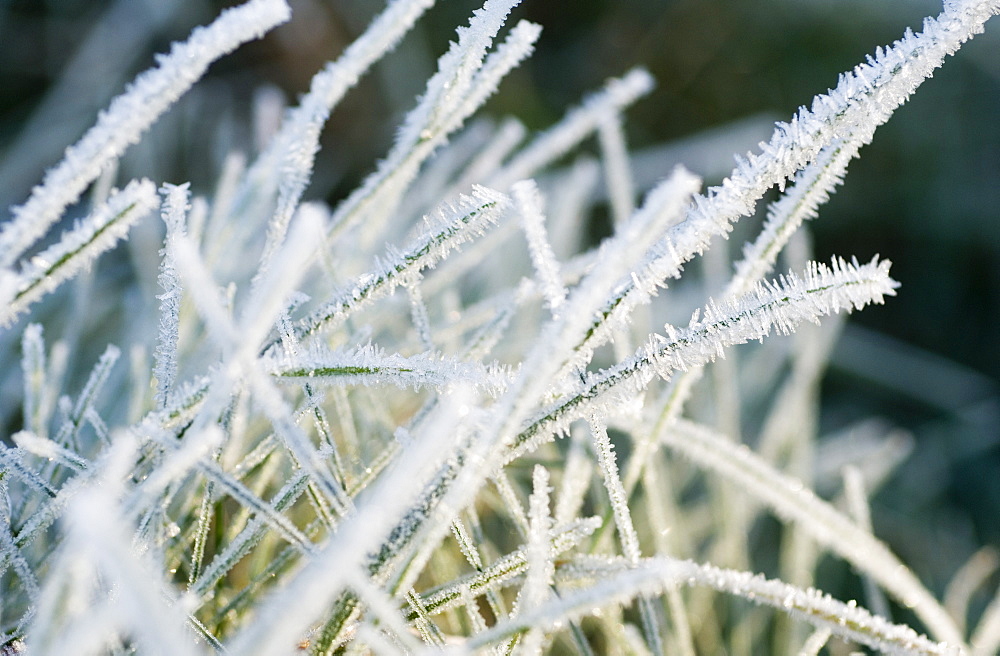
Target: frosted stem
131, 114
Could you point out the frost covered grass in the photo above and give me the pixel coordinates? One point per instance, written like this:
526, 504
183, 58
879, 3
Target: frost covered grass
428, 416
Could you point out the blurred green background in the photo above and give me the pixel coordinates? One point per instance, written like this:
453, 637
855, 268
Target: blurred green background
925, 194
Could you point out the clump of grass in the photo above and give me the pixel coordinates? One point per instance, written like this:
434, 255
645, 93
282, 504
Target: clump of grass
402, 422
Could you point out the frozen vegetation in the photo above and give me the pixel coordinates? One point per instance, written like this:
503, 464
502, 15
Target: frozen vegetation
430, 416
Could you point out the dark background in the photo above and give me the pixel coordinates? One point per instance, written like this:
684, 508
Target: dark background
925, 194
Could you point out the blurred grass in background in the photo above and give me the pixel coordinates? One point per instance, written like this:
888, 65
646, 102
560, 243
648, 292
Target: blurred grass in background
925, 194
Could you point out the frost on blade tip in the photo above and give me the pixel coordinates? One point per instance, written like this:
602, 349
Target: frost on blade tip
48, 450
780, 305
80, 246
297, 143
517, 47
131, 114
607, 461
298, 135
462, 83
552, 144
854, 108
812, 188
448, 87
529, 203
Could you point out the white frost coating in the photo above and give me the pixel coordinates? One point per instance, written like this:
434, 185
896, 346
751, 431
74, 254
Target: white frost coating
560, 540
462, 83
419, 315
627, 536
619, 583
812, 188
174, 212
370, 365
196, 446
33, 370
10, 555
448, 89
618, 258
517, 47
96, 535
616, 492
792, 501
864, 99
307, 593
615, 258
308, 510
446, 229
204, 292
541, 567
80, 246
49, 450
574, 127
528, 200
776, 306
294, 148
129, 115
275, 286
617, 174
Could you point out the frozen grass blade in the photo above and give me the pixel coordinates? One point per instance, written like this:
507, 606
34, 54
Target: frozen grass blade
49, 450
463, 81
296, 144
451, 227
79, 247
627, 536
864, 99
131, 114
283, 469
816, 642
530, 206
372, 366
651, 576
793, 502
617, 175
175, 206
506, 569
574, 127
33, 370
775, 306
